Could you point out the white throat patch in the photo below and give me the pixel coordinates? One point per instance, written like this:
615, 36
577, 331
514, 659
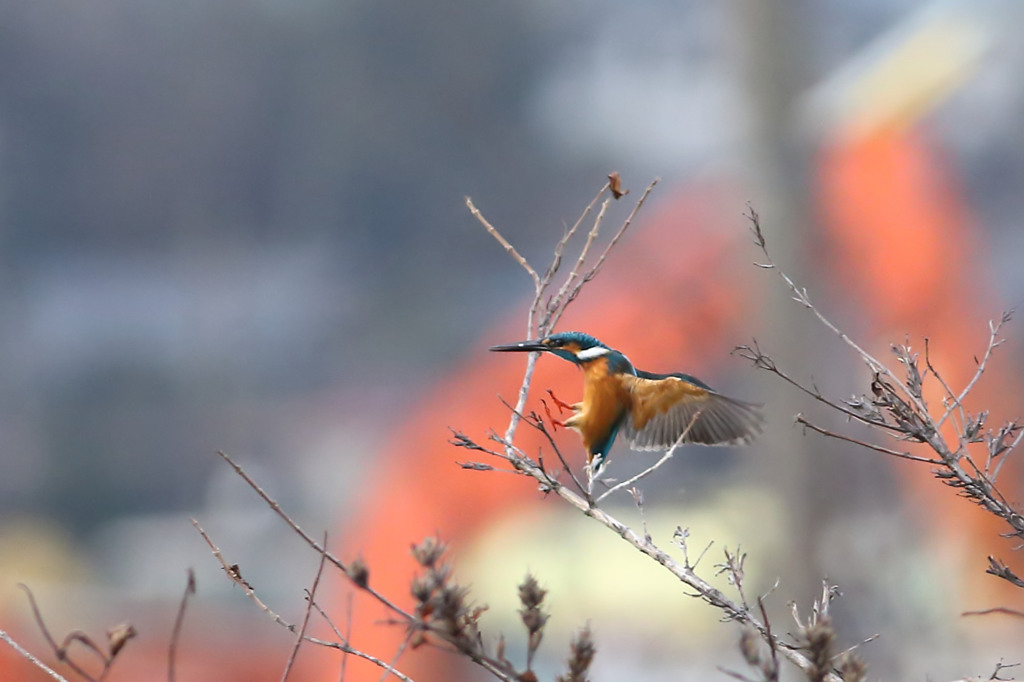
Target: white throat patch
591, 353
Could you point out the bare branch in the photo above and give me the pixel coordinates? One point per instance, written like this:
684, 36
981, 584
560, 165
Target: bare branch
509, 249
574, 274
590, 274
800, 295
898, 406
310, 596
651, 469
190, 589
685, 574
993, 342
394, 659
773, 673
348, 635
235, 575
950, 398
59, 651
538, 424
998, 449
86, 641
799, 419
305, 536
1001, 570
753, 353
559, 250
30, 658
996, 609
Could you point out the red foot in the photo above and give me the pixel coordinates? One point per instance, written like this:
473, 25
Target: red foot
555, 423
562, 406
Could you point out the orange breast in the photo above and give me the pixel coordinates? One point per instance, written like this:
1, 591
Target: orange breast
605, 401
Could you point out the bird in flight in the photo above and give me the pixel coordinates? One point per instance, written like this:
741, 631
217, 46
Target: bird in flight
652, 411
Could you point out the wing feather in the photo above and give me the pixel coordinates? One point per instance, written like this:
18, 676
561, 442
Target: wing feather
663, 408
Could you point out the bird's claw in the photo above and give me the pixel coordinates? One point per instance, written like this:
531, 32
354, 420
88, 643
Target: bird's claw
561, 404
555, 423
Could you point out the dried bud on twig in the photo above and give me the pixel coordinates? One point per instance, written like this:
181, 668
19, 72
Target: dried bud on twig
852, 668
531, 594
581, 655
118, 636
421, 588
428, 552
615, 186
358, 572
750, 647
819, 640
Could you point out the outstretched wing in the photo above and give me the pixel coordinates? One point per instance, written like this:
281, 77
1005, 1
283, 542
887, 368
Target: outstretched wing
663, 407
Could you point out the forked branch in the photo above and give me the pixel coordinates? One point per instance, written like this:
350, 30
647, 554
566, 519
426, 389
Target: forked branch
894, 405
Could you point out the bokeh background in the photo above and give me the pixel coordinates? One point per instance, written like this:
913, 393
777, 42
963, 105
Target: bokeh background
239, 225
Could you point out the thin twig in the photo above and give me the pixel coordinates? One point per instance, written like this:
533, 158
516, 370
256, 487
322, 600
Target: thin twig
539, 426
305, 536
899, 406
996, 609
604, 254
753, 353
771, 638
618, 235
511, 250
343, 646
235, 576
574, 274
342, 639
398, 654
30, 658
800, 419
190, 589
1005, 455
39, 619
993, 342
58, 651
950, 398
86, 641
801, 296
851, 649
556, 261
651, 469
524, 392
686, 575
348, 635
305, 618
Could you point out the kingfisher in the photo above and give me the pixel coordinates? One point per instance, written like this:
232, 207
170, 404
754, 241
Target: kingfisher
652, 411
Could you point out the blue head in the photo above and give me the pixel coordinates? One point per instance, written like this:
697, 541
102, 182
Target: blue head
576, 347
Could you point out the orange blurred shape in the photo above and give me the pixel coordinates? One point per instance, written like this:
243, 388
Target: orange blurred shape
908, 252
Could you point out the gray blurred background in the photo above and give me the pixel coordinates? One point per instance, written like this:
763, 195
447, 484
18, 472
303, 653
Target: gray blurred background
239, 225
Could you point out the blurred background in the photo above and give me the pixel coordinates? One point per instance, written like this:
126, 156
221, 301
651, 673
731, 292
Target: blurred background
240, 225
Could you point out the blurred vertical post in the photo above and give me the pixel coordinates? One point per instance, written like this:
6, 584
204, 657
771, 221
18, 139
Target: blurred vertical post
772, 55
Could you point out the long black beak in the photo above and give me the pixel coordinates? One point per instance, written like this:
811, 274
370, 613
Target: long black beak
521, 347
